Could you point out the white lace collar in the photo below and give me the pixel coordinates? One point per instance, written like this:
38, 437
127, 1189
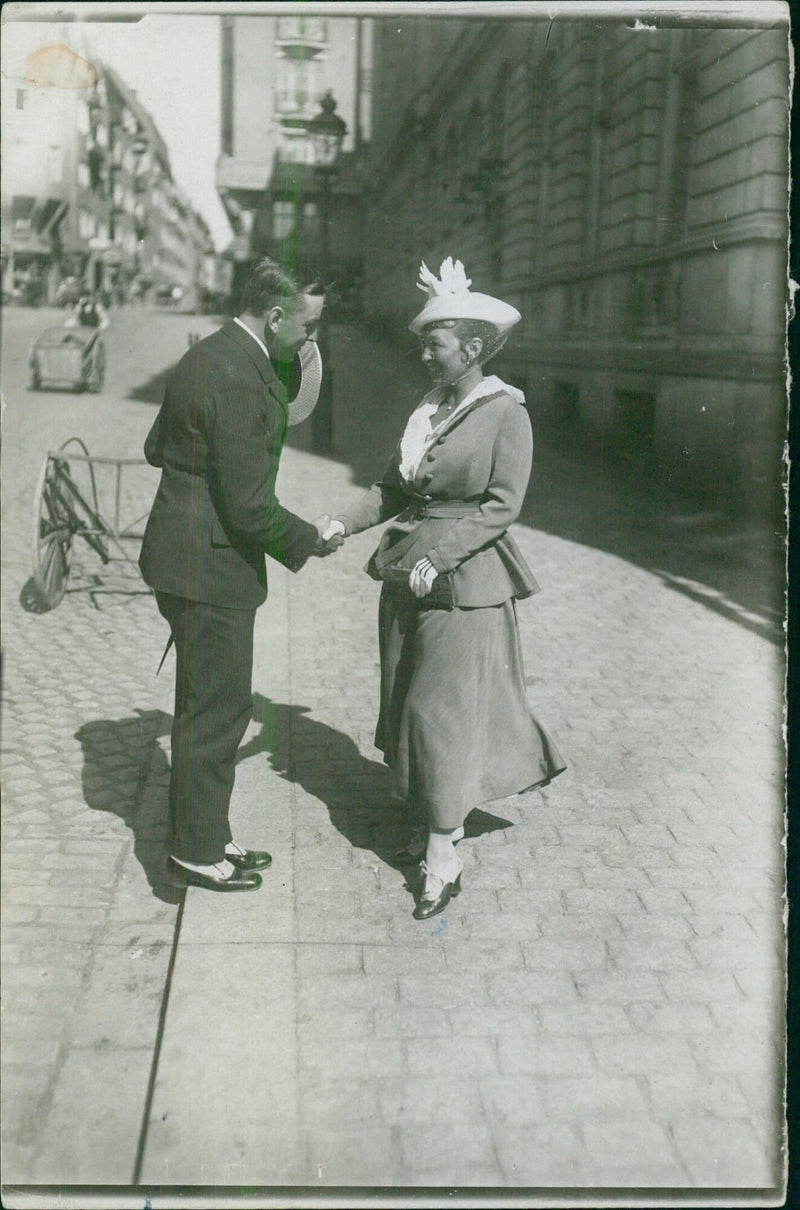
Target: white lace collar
420, 432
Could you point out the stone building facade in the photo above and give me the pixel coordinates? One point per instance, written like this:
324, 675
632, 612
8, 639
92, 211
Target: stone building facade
274, 71
625, 188
88, 197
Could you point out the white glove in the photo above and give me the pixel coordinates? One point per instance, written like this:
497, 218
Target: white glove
420, 581
333, 528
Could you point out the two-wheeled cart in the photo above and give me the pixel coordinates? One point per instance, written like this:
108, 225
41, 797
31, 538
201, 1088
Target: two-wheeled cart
66, 506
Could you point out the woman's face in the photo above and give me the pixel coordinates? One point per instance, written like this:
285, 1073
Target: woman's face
443, 355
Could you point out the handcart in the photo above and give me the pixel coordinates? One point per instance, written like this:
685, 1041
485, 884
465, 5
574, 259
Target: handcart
72, 357
66, 506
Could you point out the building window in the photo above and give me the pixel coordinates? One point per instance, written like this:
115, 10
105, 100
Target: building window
86, 224
302, 29
567, 410
20, 98
601, 122
84, 175
55, 164
282, 219
496, 217
310, 219
673, 184
298, 85
548, 101
82, 117
633, 424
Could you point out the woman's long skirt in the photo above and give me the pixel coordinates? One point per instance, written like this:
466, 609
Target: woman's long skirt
455, 726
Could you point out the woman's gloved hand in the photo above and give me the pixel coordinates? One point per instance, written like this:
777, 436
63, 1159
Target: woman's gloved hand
420, 581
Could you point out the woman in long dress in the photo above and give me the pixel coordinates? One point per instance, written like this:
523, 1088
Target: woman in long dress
454, 726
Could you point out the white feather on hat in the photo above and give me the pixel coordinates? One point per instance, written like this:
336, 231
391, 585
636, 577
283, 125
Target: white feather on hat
450, 297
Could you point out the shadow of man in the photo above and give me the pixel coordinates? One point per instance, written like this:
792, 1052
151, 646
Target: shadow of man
126, 773
328, 765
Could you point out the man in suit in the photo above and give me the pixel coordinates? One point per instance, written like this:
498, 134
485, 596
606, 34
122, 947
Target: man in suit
218, 439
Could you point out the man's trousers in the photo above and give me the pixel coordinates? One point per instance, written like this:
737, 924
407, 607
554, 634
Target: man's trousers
213, 705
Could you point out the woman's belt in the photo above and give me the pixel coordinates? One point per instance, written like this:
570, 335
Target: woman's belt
417, 510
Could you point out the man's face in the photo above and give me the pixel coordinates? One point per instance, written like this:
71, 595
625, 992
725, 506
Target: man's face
291, 329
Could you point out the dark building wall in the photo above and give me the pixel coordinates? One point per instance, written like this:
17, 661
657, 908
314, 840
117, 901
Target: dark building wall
626, 189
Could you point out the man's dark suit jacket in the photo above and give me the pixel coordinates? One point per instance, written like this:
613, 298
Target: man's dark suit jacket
218, 439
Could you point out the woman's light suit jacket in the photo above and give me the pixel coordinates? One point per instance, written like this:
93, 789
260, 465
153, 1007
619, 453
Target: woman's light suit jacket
476, 469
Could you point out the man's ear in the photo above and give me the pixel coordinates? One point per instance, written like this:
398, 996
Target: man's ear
274, 317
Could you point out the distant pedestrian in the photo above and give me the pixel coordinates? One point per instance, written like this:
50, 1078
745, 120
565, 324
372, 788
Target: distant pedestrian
89, 313
218, 439
454, 725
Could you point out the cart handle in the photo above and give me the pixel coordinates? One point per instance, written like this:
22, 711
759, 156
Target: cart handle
61, 456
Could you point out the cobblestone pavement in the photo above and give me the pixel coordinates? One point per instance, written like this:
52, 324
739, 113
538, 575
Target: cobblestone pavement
601, 1007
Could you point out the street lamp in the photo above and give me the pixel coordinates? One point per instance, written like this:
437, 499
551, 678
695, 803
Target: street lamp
326, 131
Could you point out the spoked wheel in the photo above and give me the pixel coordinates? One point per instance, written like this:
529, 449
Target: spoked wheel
52, 534
97, 372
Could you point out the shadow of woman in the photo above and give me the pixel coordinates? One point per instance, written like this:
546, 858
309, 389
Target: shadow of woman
329, 766
126, 773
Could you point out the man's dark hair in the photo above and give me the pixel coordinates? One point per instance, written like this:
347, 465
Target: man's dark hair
269, 285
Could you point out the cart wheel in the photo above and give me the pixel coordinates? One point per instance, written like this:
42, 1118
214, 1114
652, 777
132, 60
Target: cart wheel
98, 371
99, 368
52, 536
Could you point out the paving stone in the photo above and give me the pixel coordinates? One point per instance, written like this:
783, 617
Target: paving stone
670, 1094
724, 1154
620, 1143
314, 960
545, 1054
636, 1055
544, 1154
429, 1154
370, 1156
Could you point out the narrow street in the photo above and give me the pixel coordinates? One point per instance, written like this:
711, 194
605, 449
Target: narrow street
601, 1007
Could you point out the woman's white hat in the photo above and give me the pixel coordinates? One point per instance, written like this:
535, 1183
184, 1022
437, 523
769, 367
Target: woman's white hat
449, 297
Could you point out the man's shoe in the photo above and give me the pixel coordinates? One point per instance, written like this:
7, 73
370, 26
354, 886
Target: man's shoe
248, 859
239, 880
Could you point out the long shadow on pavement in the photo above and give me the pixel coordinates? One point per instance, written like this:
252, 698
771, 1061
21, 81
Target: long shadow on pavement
733, 568
328, 765
125, 773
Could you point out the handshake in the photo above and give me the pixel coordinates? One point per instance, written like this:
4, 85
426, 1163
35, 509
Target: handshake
330, 536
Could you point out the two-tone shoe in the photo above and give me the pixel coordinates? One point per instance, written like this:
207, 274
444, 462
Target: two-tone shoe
238, 880
248, 859
437, 890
